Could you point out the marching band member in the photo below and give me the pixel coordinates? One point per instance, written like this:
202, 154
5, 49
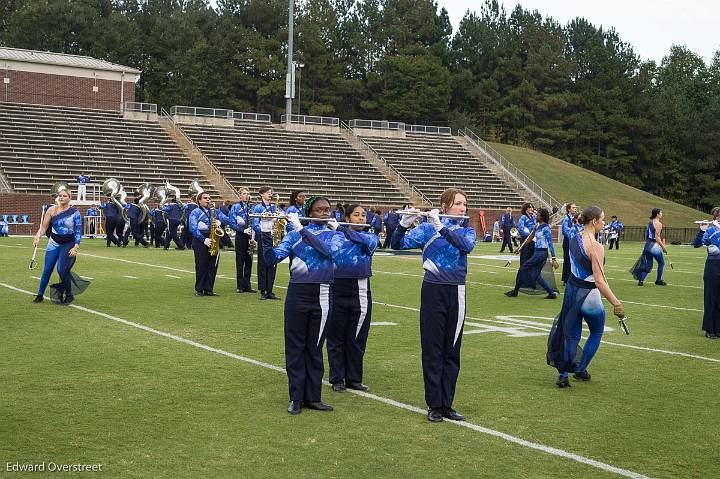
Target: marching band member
82, 180
63, 224
173, 213
376, 222
582, 301
308, 304
445, 246
352, 303
199, 225
185, 219
112, 218
339, 212
615, 227
390, 220
243, 259
225, 241
654, 248
265, 271
297, 206
92, 213
709, 235
568, 225
530, 272
526, 225
507, 223
158, 226
136, 227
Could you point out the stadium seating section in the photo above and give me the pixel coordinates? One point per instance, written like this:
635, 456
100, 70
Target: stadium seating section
435, 162
255, 154
40, 145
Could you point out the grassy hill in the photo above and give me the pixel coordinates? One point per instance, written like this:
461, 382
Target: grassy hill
568, 182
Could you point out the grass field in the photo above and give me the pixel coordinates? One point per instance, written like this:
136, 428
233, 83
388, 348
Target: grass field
97, 382
568, 182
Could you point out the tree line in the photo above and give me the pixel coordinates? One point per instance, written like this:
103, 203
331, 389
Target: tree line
575, 91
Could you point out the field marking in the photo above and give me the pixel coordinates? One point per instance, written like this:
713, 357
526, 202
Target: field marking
173, 276
129, 277
391, 402
86, 277
382, 323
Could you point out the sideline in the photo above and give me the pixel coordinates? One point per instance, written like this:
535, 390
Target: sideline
475, 427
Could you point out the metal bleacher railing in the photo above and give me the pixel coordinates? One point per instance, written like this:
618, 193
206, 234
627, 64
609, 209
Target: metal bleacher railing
141, 107
385, 163
510, 172
377, 125
311, 120
256, 117
198, 111
435, 130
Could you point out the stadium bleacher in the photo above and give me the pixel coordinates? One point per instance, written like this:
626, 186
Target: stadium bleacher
435, 162
254, 154
40, 145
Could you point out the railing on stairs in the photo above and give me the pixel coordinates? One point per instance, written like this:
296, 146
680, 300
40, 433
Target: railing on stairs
386, 164
196, 149
509, 171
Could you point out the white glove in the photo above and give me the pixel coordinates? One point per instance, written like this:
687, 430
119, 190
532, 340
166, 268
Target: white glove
202, 226
434, 217
333, 224
218, 223
247, 231
294, 220
207, 242
266, 225
704, 227
240, 221
407, 220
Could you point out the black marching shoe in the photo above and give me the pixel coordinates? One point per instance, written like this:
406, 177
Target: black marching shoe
640, 283
317, 405
452, 414
339, 388
294, 407
562, 382
582, 376
263, 296
435, 414
251, 290
272, 296
238, 290
69, 298
512, 293
356, 386
199, 293
552, 295
661, 283
708, 334
211, 293
39, 299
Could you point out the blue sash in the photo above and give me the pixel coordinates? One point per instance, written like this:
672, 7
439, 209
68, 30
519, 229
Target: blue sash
58, 238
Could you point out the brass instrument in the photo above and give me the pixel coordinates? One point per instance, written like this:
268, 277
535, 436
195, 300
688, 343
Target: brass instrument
145, 191
57, 187
195, 189
231, 233
113, 189
172, 189
216, 232
279, 227
514, 233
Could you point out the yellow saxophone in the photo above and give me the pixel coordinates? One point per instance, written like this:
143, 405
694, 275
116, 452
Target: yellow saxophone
216, 232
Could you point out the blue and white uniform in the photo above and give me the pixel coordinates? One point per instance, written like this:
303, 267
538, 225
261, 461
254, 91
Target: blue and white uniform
442, 302
240, 222
530, 272
308, 303
295, 209
205, 265
581, 302
711, 277
265, 271
185, 219
614, 229
390, 220
65, 231
652, 249
352, 305
173, 214
526, 224
82, 180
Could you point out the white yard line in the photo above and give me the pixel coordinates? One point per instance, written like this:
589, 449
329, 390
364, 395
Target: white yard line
468, 425
173, 276
130, 277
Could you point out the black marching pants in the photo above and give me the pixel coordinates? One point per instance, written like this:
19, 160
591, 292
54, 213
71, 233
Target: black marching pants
307, 309
138, 232
711, 312
266, 274
205, 267
111, 223
506, 241
388, 236
566, 260
348, 329
442, 315
615, 242
158, 230
527, 251
243, 262
172, 235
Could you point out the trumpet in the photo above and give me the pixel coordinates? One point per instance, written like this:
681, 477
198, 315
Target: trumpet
427, 213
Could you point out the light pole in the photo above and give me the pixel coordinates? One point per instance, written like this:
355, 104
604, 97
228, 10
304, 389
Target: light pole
300, 66
289, 80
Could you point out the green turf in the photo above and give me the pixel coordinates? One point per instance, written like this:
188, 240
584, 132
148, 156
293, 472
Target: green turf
568, 182
79, 388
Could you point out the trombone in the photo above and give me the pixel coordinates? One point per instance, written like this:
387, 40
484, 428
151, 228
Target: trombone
427, 213
304, 219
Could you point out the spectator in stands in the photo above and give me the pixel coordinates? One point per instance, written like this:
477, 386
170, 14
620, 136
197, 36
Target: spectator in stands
615, 228
112, 221
173, 215
297, 205
4, 229
555, 209
266, 271
391, 220
507, 223
82, 180
92, 213
225, 241
339, 212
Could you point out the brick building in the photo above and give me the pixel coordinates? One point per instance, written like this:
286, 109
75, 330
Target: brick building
47, 78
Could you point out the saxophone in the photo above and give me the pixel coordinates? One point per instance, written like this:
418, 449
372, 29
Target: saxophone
278, 231
216, 232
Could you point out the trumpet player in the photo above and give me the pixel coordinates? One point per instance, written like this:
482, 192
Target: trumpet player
445, 244
352, 302
265, 271
308, 304
200, 226
709, 235
240, 222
